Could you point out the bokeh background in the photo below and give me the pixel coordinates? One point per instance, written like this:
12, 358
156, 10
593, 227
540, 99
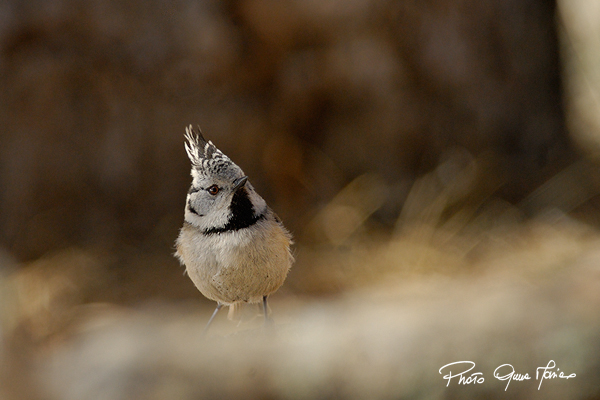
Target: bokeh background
436, 162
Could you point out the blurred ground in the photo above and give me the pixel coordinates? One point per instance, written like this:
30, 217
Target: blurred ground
436, 162
522, 295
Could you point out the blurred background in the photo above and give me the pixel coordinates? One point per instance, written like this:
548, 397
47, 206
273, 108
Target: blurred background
436, 161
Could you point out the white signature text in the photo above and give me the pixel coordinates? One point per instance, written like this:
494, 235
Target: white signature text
462, 373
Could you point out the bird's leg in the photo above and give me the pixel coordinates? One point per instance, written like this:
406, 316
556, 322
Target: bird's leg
214, 314
268, 320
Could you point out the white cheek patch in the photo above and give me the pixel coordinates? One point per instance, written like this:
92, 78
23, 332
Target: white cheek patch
204, 222
204, 213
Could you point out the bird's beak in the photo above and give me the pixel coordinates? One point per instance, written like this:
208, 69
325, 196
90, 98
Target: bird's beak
239, 183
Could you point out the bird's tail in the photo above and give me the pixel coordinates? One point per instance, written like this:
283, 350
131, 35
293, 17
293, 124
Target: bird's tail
235, 311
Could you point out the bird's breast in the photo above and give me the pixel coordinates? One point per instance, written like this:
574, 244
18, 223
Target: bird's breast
241, 265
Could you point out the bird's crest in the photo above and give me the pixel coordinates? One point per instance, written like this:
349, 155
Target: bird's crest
204, 155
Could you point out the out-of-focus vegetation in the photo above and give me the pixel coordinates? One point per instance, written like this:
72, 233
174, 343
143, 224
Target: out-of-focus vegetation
436, 162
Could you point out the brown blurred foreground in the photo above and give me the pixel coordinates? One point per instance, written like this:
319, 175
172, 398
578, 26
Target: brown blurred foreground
515, 294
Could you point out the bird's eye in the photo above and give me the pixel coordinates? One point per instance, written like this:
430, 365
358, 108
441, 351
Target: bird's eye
214, 189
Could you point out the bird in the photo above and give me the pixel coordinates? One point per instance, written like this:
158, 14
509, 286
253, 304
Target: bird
235, 249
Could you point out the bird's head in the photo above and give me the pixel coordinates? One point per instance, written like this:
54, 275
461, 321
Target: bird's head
220, 196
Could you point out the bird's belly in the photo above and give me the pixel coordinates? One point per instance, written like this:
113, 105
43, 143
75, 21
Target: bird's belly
244, 272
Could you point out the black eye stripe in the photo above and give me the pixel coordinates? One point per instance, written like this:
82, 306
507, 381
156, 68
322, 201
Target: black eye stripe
193, 190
